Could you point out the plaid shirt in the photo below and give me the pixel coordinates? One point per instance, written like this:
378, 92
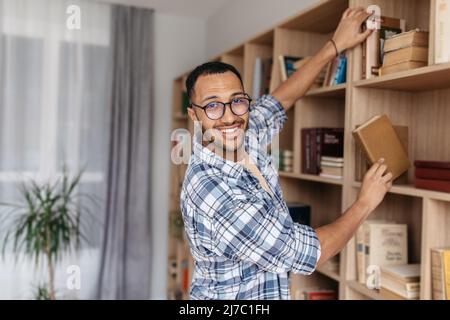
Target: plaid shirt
242, 239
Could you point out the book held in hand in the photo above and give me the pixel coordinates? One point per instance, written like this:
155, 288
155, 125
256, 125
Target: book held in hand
378, 139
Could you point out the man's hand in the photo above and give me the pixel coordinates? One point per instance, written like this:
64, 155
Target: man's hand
347, 34
374, 186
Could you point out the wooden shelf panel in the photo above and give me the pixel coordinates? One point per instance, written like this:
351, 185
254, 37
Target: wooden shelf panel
410, 190
310, 177
321, 18
373, 294
330, 274
420, 79
337, 91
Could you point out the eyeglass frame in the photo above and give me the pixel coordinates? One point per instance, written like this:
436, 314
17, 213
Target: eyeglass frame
247, 97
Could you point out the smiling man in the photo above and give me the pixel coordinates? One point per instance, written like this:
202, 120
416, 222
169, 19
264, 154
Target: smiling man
241, 235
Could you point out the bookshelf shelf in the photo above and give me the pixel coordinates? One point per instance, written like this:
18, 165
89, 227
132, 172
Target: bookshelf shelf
337, 91
410, 190
330, 274
416, 98
420, 79
362, 289
310, 177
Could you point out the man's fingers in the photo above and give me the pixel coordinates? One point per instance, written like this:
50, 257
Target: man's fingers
380, 171
374, 167
364, 35
363, 16
387, 177
346, 12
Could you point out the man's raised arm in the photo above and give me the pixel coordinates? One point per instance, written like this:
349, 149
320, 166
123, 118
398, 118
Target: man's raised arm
346, 36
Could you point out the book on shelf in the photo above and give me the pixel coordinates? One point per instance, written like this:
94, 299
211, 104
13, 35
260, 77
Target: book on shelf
402, 280
408, 54
442, 31
384, 244
412, 38
319, 294
336, 71
332, 167
378, 139
362, 164
285, 160
318, 142
432, 175
440, 273
373, 47
300, 212
402, 66
261, 76
360, 250
287, 67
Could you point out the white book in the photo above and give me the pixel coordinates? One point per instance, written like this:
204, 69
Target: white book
442, 32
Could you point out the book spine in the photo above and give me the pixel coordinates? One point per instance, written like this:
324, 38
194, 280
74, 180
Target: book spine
436, 185
360, 254
318, 150
306, 150
446, 270
433, 174
442, 31
432, 164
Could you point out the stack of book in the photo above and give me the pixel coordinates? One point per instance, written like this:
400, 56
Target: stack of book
400, 282
332, 167
318, 143
372, 50
405, 51
432, 175
440, 273
381, 243
285, 160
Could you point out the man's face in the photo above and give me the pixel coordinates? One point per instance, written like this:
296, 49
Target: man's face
228, 131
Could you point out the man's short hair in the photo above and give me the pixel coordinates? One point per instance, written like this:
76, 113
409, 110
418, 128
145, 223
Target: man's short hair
208, 68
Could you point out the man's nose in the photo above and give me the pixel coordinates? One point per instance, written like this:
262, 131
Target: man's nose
228, 117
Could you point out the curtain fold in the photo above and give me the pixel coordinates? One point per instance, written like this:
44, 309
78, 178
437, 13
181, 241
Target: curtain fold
126, 253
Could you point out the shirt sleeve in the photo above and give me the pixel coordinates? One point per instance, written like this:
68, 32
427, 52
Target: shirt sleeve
267, 118
259, 234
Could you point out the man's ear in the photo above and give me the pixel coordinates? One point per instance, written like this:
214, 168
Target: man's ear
192, 114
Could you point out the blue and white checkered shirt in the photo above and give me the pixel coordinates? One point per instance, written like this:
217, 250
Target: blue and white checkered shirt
242, 239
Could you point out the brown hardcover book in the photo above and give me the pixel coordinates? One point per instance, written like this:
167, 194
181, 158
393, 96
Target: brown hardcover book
436, 185
362, 164
389, 295
432, 164
406, 39
405, 55
432, 173
403, 66
378, 140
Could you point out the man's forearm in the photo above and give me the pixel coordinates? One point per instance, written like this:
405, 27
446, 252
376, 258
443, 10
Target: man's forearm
298, 84
334, 236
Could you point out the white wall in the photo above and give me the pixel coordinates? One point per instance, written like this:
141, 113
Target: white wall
240, 20
179, 46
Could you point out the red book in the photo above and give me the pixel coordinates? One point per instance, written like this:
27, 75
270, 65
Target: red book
433, 173
436, 185
320, 295
432, 164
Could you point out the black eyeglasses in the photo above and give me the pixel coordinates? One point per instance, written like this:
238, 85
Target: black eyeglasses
215, 110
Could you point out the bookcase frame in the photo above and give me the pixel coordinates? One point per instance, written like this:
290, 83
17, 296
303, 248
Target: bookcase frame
415, 98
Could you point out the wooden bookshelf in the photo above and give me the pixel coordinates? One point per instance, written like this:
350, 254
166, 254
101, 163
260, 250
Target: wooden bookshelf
415, 98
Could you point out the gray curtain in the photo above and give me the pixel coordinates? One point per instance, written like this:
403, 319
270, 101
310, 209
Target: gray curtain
126, 253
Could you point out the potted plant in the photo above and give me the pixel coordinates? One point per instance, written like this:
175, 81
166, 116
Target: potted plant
46, 225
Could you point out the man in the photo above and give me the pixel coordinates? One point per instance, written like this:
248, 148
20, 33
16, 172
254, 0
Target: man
241, 235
